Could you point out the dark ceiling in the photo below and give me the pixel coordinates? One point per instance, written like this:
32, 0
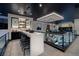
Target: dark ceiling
33, 10
47, 8
12, 8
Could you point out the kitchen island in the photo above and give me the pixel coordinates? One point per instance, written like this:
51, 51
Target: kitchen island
36, 41
60, 39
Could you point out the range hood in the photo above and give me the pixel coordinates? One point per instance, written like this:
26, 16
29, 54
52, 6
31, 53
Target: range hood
50, 17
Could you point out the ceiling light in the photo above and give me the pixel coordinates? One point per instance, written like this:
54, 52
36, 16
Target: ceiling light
40, 5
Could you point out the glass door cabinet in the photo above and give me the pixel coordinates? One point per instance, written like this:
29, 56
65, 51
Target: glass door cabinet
60, 40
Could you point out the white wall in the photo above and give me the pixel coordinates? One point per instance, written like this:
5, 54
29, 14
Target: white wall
35, 24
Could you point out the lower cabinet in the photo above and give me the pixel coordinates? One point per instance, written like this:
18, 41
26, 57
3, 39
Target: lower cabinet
25, 44
15, 35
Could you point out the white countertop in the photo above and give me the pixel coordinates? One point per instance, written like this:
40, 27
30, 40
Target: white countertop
27, 33
36, 41
2, 32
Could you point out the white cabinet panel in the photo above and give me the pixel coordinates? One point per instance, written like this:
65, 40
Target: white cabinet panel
37, 44
76, 21
14, 22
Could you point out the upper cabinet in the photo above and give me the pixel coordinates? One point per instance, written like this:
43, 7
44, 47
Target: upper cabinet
17, 21
14, 22
28, 24
76, 23
22, 23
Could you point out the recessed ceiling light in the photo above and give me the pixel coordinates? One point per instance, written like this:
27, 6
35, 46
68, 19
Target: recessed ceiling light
40, 5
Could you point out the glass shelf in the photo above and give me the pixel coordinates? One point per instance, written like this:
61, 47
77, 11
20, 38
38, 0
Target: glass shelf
60, 41
3, 42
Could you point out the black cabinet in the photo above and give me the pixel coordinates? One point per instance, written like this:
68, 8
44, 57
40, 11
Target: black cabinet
25, 42
15, 35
